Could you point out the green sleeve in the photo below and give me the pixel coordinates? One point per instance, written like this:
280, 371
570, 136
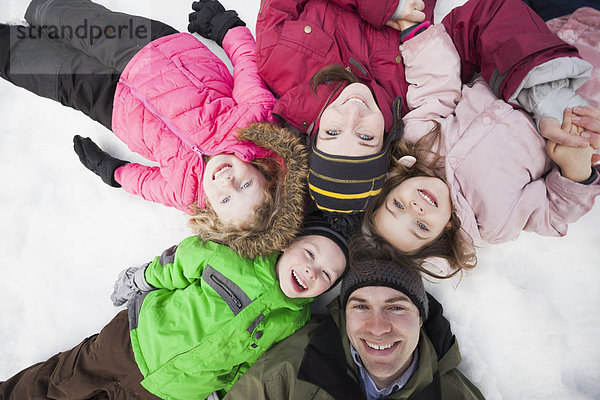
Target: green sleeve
180, 265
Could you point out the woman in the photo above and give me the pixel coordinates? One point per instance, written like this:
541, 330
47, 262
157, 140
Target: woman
297, 39
364, 37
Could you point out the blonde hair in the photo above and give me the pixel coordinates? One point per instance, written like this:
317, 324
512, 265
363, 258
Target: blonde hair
454, 244
206, 223
277, 219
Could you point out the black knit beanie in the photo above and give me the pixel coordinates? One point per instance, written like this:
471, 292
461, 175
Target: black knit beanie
390, 274
343, 184
316, 224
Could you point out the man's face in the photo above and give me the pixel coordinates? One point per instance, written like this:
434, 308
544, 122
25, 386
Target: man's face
383, 325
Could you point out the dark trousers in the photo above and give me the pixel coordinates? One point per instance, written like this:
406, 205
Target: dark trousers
548, 9
100, 367
74, 52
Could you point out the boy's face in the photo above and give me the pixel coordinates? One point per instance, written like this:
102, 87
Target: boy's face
309, 266
233, 188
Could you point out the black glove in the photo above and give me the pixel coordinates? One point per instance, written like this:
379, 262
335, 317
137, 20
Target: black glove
99, 162
210, 20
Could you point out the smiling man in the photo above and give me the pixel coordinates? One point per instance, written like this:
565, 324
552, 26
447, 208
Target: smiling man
386, 338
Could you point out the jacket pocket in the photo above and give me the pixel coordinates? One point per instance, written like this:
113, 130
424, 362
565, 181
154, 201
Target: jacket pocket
69, 361
232, 294
188, 74
306, 38
295, 57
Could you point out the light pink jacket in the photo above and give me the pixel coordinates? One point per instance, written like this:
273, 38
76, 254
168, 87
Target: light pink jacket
500, 177
177, 101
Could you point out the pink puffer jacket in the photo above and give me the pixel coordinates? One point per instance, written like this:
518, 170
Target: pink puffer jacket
500, 177
176, 101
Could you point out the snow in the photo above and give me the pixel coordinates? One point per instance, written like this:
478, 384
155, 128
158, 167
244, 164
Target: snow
525, 318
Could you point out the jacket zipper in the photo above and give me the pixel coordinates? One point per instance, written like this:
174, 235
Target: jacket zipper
182, 136
233, 297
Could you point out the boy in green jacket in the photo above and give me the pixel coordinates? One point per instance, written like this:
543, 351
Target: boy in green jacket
198, 317
386, 338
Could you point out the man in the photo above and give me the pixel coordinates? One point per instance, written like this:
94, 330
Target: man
386, 338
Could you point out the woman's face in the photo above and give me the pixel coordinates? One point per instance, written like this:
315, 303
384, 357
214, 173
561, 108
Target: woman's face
414, 213
352, 125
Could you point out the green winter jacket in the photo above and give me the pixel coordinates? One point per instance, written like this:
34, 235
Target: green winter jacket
212, 316
316, 364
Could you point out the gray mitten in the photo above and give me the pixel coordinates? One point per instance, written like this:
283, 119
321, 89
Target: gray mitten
130, 283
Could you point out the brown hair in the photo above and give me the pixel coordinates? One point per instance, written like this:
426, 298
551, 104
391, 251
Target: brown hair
338, 74
330, 74
454, 245
362, 247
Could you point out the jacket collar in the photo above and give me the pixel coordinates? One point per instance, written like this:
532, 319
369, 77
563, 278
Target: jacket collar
328, 364
325, 365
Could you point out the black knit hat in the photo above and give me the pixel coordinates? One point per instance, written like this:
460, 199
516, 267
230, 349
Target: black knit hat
343, 184
316, 224
371, 272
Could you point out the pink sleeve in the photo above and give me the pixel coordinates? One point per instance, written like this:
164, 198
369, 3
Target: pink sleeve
148, 183
568, 201
248, 86
545, 206
432, 69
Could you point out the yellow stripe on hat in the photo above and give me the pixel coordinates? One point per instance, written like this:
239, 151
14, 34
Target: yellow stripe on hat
343, 196
336, 180
339, 211
350, 161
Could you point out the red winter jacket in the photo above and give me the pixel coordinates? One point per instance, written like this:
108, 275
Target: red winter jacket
296, 38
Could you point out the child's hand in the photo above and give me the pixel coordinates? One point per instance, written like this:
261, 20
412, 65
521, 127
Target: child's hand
574, 162
550, 129
411, 14
131, 282
210, 20
588, 118
96, 160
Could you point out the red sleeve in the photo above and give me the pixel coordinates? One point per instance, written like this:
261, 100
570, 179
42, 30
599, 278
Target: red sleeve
503, 40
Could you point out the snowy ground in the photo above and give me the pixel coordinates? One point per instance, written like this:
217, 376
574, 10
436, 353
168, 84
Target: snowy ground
526, 318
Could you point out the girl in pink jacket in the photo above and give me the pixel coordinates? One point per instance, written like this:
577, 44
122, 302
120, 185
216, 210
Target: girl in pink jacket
348, 114
472, 168
171, 100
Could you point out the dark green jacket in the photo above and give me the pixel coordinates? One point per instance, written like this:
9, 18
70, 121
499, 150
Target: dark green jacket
315, 364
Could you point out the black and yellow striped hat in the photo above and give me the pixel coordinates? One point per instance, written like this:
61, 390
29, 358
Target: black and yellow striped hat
346, 185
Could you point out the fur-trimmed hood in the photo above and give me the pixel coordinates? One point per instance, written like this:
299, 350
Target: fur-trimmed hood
286, 217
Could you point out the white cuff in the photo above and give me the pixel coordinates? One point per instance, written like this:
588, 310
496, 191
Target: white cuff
399, 9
